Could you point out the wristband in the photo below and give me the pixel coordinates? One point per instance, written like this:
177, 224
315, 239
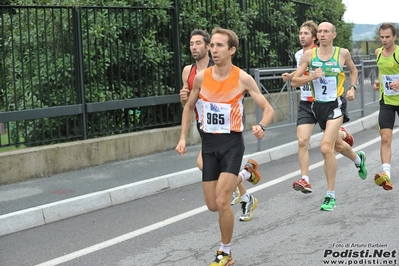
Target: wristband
262, 127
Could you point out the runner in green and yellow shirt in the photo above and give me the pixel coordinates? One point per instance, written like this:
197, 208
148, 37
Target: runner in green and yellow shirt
326, 80
388, 68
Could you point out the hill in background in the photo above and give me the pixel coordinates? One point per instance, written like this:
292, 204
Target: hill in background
363, 32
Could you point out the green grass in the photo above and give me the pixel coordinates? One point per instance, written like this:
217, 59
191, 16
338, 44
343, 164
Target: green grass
4, 141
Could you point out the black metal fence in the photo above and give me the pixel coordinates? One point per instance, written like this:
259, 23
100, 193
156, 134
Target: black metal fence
74, 73
71, 73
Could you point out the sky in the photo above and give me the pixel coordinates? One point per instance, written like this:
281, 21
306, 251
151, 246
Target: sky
371, 12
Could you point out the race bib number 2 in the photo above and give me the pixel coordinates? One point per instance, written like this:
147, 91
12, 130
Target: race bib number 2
325, 89
216, 117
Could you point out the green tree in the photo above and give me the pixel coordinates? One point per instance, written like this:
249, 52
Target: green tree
332, 12
41, 62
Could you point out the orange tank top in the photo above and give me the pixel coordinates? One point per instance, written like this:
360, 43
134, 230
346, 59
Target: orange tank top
222, 103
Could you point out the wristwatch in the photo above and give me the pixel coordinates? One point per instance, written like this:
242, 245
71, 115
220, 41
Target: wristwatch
262, 127
353, 86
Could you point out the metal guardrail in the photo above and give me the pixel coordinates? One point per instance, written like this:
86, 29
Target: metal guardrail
367, 71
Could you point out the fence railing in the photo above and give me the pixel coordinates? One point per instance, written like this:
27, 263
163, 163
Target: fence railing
365, 97
69, 73
72, 73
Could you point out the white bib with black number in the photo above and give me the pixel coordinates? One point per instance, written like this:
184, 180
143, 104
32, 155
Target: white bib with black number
325, 89
216, 117
386, 81
306, 92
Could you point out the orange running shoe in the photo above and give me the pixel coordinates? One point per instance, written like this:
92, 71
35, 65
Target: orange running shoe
252, 167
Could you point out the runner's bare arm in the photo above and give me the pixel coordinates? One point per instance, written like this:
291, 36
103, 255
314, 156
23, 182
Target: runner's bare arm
185, 92
298, 79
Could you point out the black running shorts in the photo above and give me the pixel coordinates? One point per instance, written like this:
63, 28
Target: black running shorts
324, 111
221, 153
305, 114
386, 116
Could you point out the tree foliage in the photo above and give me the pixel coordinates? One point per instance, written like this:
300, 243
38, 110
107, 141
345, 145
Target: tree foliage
332, 12
268, 32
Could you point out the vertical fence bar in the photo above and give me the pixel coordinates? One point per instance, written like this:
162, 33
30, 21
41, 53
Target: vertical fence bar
3, 81
79, 75
244, 42
176, 48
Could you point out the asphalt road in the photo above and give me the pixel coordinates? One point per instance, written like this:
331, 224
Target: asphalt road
175, 228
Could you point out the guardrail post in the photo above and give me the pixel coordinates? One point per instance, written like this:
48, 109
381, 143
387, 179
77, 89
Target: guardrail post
290, 100
258, 110
294, 101
362, 98
373, 79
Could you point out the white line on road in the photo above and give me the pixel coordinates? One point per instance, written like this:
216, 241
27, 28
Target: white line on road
182, 216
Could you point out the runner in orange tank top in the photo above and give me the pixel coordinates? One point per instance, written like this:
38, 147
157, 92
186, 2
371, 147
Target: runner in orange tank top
199, 47
221, 89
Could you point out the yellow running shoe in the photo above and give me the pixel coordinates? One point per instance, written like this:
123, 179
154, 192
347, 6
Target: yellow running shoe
222, 259
383, 181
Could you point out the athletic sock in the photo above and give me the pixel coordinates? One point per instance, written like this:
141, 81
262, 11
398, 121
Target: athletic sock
306, 178
331, 193
357, 161
244, 175
225, 248
245, 197
386, 167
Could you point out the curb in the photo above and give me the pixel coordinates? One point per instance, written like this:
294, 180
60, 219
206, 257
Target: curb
56, 211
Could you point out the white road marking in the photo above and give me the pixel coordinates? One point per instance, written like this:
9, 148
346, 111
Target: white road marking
182, 216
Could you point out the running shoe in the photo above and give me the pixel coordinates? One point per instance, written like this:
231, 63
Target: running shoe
252, 167
383, 181
303, 186
235, 197
222, 259
362, 166
247, 208
328, 204
349, 138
